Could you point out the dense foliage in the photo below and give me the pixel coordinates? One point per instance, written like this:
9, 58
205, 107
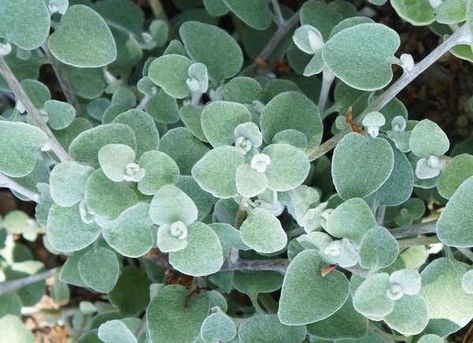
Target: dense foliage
185, 164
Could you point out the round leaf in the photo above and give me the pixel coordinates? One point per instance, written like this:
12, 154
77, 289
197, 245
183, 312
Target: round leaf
99, 269
114, 158
218, 327
409, 316
427, 139
266, 328
371, 297
418, 12
115, 331
60, 114
458, 170
160, 170
170, 205
306, 295
378, 249
83, 39
255, 13
170, 73
67, 183
249, 182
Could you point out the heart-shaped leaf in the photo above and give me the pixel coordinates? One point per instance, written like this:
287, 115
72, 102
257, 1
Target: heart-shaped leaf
203, 254
170, 73
458, 170
254, 283
216, 171
455, 225
213, 47
418, 12
263, 232
114, 160
267, 328
361, 165
427, 139
173, 316
66, 230
292, 110
249, 182
219, 120
362, 55
409, 316
306, 295
67, 182
378, 249
160, 170
218, 327
19, 143
451, 12
242, 89
132, 233
24, 23
83, 39
254, 13
115, 331
171, 205
60, 114
371, 297
99, 269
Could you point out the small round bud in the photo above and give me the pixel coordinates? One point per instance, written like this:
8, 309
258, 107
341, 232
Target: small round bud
243, 143
334, 249
5, 49
260, 162
407, 62
133, 172
178, 230
398, 124
433, 162
435, 3
395, 291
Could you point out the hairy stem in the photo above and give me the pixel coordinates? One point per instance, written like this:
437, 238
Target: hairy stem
277, 12
411, 242
414, 230
12, 285
5, 181
62, 79
463, 35
467, 253
144, 101
21, 96
281, 32
327, 79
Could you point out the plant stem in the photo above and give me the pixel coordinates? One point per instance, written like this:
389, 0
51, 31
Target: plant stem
21, 96
5, 181
467, 253
62, 79
380, 213
327, 79
144, 101
12, 285
280, 33
277, 10
157, 9
411, 242
414, 230
463, 35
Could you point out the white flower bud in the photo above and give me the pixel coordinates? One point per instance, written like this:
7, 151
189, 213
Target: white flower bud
5, 49
407, 62
334, 249
435, 3
243, 143
395, 291
260, 162
133, 172
178, 230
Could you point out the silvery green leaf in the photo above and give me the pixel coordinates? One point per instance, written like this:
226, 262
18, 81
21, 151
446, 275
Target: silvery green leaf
242, 89
315, 66
378, 249
203, 254
467, 282
288, 168
263, 232
430, 338
144, 128
346, 323
85, 147
352, 219
305, 117
247, 133
291, 137
428, 168
229, 237
132, 233
409, 316
14, 330
316, 218
24, 23
361, 165
223, 61
215, 8
451, 12
173, 316
115, 160
415, 12
70, 270
219, 120
306, 295
162, 107
181, 145
170, 205
198, 72
83, 39
408, 279
67, 182
350, 22
362, 55
266, 328
299, 200
106, 198
203, 200
67, 232
99, 269
115, 331
19, 143
345, 254
255, 14
253, 283
308, 39
371, 297
60, 114
172, 237
216, 171
124, 96
160, 170
190, 116
249, 182
427, 139
455, 173
170, 72
443, 292
454, 226
218, 327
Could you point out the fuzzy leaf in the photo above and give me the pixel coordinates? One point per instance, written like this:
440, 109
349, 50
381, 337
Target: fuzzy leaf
83, 39
242, 89
67, 182
378, 249
218, 327
219, 120
203, 254
418, 12
213, 47
170, 73
114, 158
255, 14
409, 316
292, 110
13, 330
173, 316
362, 55
306, 295
427, 139
160, 170
60, 114
371, 297
266, 328
115, 331
132, 284
263, 232
19, 144
216, 171
457, 171
249, 182
170, 205
99, 269
66, 230
361, 165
